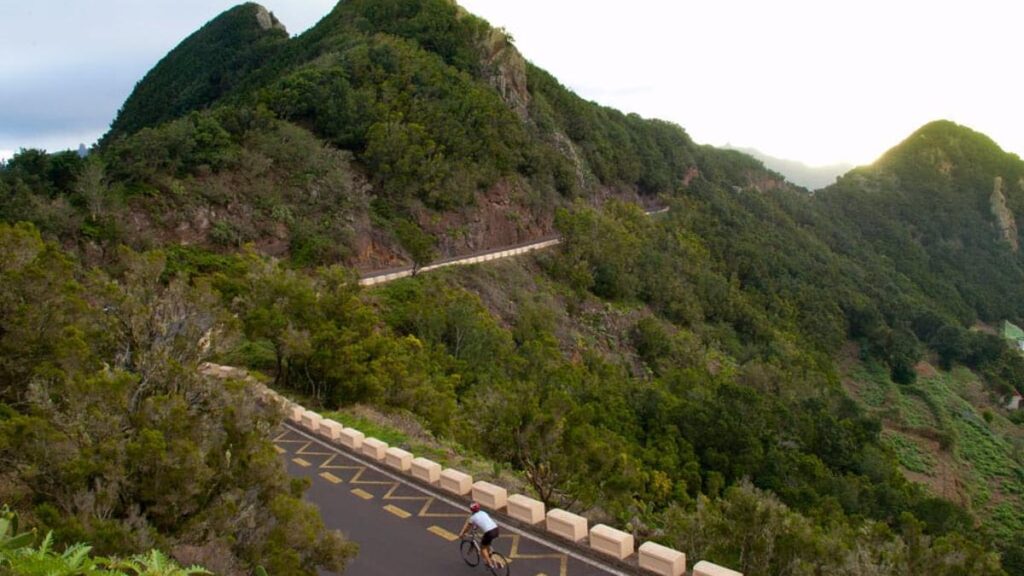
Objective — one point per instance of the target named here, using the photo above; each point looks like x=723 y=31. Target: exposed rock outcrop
x=507 y=71
x=565 y=145
x=1005 y=220
x=266 y=19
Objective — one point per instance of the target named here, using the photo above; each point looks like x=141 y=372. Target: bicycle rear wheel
x=500 y=564
x=470 y=553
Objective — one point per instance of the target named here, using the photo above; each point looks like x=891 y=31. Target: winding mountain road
x=404 y=528
x=382 y=276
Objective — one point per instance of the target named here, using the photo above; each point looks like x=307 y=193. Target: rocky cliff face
x=1005 y=220
x=266 y=20
x=507 y=71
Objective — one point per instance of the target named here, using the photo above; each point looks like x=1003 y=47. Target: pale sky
x=820 y=81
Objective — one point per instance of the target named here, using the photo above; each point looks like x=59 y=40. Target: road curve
x=406 y=529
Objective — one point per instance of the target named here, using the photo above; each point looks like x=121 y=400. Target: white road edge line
x=554 y=546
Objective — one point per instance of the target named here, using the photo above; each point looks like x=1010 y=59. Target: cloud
x=59 y=107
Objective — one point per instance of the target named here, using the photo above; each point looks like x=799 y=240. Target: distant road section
x=395 y=274
x=383 y=276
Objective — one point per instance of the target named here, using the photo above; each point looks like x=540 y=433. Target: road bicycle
x=470 y=549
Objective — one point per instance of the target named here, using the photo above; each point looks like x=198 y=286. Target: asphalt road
x=374 y=277
x=404 y=529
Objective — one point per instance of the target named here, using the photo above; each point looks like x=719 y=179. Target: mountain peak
x=944 y=145
x=266 y=19
x=203 y=67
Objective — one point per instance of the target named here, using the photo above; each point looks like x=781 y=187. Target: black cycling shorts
x=489 y=537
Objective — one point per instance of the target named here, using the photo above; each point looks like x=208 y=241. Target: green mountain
x=942 y=205
x=748 y=377
x=438 y=110
x=204 y=68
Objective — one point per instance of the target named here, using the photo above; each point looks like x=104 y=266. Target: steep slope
x=675 y=373
x=450 y=126
x=203 y=68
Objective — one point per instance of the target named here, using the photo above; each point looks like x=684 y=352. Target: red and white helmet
x=474 y=507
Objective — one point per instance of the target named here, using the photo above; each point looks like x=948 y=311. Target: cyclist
x=487 y=526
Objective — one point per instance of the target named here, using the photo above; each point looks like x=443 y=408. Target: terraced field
x=951 y=436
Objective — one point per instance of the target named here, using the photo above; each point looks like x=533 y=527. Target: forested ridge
x=777 y=381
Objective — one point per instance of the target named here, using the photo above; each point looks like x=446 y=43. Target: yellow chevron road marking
x=563 y=560
x=280 y=450
x=281 y=438
x=397 y=511
x=438 y=531
x=305 y=453
x=329 y=465
x=362 y=494
x=357 y=480
x=330 y=477
x=428 y=501
x=424 y=511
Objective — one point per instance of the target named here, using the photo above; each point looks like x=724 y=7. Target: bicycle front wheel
x=499 y=564
x=470 y=553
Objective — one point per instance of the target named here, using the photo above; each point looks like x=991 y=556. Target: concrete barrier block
x=456 y=482
x=331 y=429
x=276 y=400
x=374 y=448
x=426 y=470
x=295 y=413
x=311 y=421
x=490 y=496
x=662 y=560
x=610 y=541
x=223 y=372
x=352 y=439
x=705 y=568
x=398 y=459
x=567 y=525
x=525 y=509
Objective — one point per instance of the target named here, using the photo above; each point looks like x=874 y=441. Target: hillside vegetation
x=109 y=435
x=740 y=377
x=387 y=121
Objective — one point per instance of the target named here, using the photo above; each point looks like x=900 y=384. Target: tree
x=111 y=433
x=417 y=243
x=406 y=162
x=278 y=305
x=950 y=342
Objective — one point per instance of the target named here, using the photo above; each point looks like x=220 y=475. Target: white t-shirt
x=483 y=521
